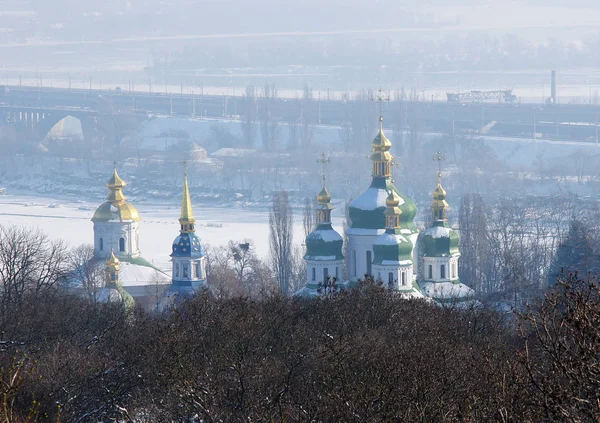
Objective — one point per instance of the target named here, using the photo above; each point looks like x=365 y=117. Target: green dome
x=391 y=247
x=439 y=240
x=367 y=210
x=324 y=243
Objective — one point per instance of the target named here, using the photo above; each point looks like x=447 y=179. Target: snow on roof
x=327 y=235
x=390 y=239
x=233 y=152
x=320 y=258
x=363 y=231
x=437 y=232
x=446 y=290
x=136 y=275
x=371 y=199
x=396 y=262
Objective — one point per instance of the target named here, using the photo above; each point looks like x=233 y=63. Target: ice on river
x=70 y=221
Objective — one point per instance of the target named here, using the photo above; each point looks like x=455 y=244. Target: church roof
x=187 y=244
x=324 y=244
x=115 y=208
x=439 y=240
x=367 y=211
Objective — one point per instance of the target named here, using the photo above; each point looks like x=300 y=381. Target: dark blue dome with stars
x=187 y=245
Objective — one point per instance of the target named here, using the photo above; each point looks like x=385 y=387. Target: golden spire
x=381 y=156
x=324 y=198
x=439 y=206
x=112 y=270
x=392 y=212
x=115 y=185
x=187 y=216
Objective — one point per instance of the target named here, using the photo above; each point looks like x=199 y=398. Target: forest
x=362 y=355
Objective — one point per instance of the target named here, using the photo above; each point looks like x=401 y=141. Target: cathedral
x=381 y=241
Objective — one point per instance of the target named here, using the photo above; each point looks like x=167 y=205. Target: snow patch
x=396 y=262
x=371 y=199
x=446 y=290
x=438 y=232
x=390 y=239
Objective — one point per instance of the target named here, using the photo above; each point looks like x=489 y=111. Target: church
x=382 y=241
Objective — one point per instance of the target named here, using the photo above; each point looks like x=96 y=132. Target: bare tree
x=29 y=263
x=250 y=115
x=308 y=117
x=308 y=216
x=280 y=237
x=85 y=269
x=269 y=122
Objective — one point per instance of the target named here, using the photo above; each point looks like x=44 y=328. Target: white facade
x=120 y=237
x=360 y=251
x=397 y=275
x=318 y=270
x=440 y=269
x=186 y=269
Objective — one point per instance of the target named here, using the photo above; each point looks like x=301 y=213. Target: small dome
x=439 y=241
x=439 y=193
x=392 y=200
x=381 y=142
x=112 y=264
x=116 y=296
x=324 y=196
x=187 y=244
x=324 y=243
x=392 y=248
x=120 y=212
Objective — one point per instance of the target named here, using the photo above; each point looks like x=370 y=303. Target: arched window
x=430 y=272
x=176 y=270
x=390 y=279
x=121 y=244
x=443 y=271
x=325 y=273
x=199 y=270
x=101 y=244
x=185 y=270
x=353 y=262
x=337 y=272
x=314 y=273
x=403 y=278
x=369 y=262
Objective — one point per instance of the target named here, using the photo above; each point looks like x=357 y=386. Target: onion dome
x=113 y=292
x=439 y=240
x=187 y=244
x=115 y=208
x=324 y=243
x=391 y=247
x=367 y=211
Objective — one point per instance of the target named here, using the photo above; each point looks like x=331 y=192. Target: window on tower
x=390 y=279
x=101 y=244
x=443 y=271
x=185 y=270
x=403 y=278
x=199 y=270
x=369 y=262
x=314 y=273
x=353 y=262
x=121 y=244
x=325 y=273
x=430 y=272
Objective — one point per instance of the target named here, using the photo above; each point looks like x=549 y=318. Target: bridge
x=112 y=114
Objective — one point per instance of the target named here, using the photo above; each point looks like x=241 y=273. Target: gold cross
x=381 y=98
x=439 y=157
x=323 y=160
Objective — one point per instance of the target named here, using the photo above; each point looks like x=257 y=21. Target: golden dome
x=115 y=208
x=324 y=196
x=393 y=199
x=112 y=264
x=381 y=142
x=439 y=193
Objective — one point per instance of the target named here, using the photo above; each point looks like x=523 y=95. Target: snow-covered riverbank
x=70 y=221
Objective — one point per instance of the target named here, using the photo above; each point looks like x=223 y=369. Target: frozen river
x=70 y=221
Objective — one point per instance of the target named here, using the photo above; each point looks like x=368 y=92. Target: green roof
x=391 y=247
x=324 y=243
x=367 y=210
x=439 y=240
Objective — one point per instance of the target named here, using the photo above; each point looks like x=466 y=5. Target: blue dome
x=187 y=245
